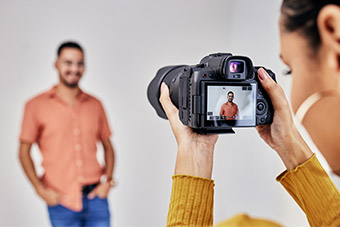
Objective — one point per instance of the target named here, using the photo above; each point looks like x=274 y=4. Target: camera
x=219 y=93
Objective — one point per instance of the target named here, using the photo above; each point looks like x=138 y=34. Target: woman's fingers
x=170 y=110
x=274 y=91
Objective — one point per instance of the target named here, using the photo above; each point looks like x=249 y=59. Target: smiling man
x=67 y=123
x=229 y=110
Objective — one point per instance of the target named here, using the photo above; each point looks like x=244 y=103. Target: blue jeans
x=95 y=213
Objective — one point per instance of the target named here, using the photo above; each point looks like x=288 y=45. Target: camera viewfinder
x=236 y=66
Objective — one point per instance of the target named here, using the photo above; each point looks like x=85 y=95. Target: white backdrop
x=126 y=42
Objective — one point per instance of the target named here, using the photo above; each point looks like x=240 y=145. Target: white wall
x=126 y=42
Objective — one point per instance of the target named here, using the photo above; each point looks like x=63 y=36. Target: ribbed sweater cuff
x=314 y=191
x=191 y=202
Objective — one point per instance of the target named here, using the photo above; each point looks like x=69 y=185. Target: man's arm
x=237 y=113
x=109 y=156
x=222 y=111
x=50 y=196
x=102 y=190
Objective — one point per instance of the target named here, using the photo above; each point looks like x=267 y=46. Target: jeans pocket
x=53 y=206
x=99 y=207
x=102 y=198
x=62 y=216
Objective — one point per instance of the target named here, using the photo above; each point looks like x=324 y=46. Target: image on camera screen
x=232 y=103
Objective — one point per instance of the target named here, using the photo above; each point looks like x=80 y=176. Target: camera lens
x=169 y=75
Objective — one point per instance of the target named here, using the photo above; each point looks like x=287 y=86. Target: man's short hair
x=69 y=44
x=231 y=93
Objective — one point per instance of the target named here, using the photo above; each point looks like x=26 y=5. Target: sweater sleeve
x=314 y=192
x=191 y=202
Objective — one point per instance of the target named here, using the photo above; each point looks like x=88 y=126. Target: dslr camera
x=219 y=93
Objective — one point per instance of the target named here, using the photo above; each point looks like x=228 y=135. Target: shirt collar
x=52 y=93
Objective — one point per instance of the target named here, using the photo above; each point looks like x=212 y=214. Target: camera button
x=260 y=106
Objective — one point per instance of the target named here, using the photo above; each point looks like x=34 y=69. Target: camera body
x=219 y=93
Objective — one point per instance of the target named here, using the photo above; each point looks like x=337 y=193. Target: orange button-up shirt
x=67 y=138
x=229 y=111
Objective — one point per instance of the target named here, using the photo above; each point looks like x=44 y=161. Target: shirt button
x=77 y=147
x=80 y=179
x=79 y=163
x=76 y=131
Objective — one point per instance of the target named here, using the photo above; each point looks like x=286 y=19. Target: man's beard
x=67 y=84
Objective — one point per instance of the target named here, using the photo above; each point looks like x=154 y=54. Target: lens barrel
x=170 y=76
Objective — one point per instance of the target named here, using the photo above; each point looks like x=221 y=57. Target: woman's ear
x=329 y=29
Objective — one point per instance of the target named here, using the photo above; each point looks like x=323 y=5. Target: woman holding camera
x=310 y=46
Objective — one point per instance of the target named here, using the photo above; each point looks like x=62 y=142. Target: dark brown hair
x=69 y=44
x=301 y=15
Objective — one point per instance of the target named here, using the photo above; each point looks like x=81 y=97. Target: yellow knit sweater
x=192 y=198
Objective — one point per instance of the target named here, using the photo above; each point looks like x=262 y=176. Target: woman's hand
x=282 y=134
x=195 y=151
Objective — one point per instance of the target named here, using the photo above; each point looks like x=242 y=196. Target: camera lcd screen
x=231 y=105
x=236 y=66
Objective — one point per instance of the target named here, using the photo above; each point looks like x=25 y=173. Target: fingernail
x=162 y=87
x=262 y=74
